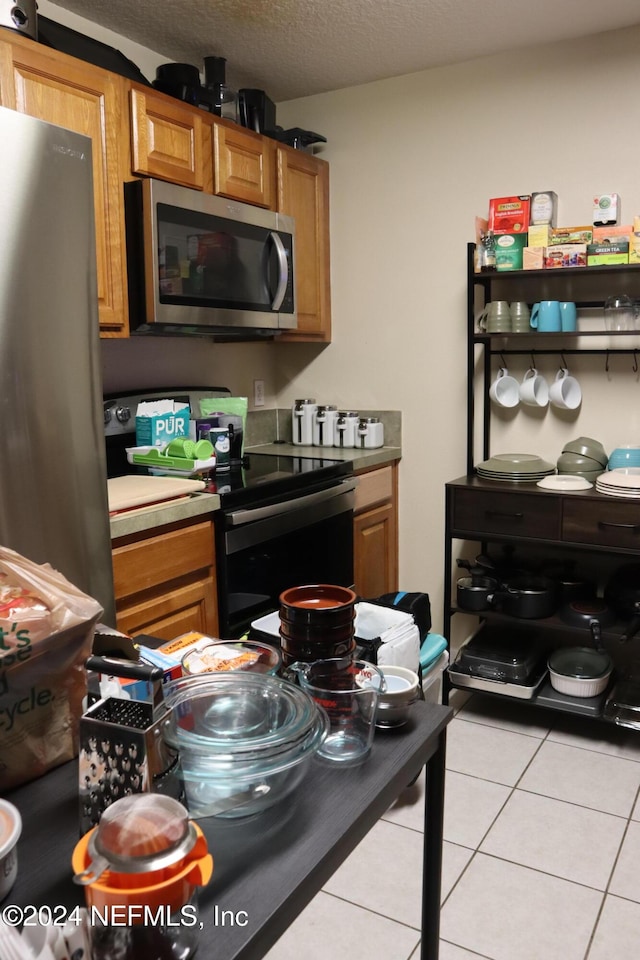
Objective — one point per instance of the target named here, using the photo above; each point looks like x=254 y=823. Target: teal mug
x=545 y=316
x=568 y=316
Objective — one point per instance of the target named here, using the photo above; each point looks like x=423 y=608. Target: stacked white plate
x=515 y=467
x=621 y=482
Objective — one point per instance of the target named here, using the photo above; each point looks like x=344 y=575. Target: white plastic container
x=302 y=421
x=10 y=830
x=346 y=428
x=370 y=432
x=324 y=426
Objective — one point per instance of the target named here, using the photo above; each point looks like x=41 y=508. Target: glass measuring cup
x=348 y=692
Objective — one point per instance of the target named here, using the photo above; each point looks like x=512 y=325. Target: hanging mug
x=505 y=390
x=565 y=392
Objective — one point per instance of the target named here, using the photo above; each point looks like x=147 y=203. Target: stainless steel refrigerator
x=53 y=487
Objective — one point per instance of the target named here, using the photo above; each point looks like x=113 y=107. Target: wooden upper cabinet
x=70 y=93
x=243 y=165
x=303 y=193
x=166 y=138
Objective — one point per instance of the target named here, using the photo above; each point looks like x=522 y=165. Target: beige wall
x=413 y=160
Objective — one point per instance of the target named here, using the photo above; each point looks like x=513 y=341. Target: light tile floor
x=541 y=852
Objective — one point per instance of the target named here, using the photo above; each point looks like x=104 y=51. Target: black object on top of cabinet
x=585 y=286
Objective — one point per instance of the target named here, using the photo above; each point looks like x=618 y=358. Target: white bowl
x=10 y=830
x=394 y=702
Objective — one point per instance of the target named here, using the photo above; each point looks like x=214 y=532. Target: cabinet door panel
x=303 y=193
x=156 y=560
x=166 y=140
x=506 y=514
x=188 y=607
x=375 y=551
x=80 y=97
x=243 y=165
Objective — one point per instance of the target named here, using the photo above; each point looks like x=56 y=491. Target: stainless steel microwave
x=206 y=266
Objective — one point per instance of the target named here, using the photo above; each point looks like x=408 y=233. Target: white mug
x=505 y=390
x=565 y=392
x=534 y=389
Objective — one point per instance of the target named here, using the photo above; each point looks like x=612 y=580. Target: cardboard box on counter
x=509 y=214
x=160 y=421
x=607 y=254
x=566 y=255
x=533 y=258
x=565 y=235
x=509 y=247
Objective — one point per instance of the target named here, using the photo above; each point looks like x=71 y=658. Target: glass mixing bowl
x=241 y=733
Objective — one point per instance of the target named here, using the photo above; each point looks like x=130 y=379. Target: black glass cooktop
x=263 y=477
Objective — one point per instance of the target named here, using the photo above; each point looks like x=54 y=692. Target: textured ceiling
x=294 y=48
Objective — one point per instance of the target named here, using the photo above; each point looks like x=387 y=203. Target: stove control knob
x=107 y=415
x=123 y=414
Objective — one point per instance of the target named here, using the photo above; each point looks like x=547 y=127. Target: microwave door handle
x=283 y=265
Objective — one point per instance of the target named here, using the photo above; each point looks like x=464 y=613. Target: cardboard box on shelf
x=539 y=235
x=566 y=235
x=509 y=247
x=544 y=208
x=606 y=209
x=509 y=214
x=616 y=233
x=533 y=258
x=634 y=242
x=607 y=254
x=566 y=255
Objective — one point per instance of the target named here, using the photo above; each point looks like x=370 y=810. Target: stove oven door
x=263 y=550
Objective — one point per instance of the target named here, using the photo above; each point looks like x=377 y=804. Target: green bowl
x=586 y=447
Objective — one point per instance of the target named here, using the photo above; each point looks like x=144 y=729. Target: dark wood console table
x=271 y=865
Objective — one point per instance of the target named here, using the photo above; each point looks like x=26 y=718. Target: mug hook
x=606 y=364
x=635 y=361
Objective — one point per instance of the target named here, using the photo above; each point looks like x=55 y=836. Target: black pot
x=475 y=592
x=530 y=598
x=623 y=593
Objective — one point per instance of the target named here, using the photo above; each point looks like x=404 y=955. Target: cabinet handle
x=495 y=514
x=623 y=526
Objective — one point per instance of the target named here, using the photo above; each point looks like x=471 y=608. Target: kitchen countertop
x=200 y=504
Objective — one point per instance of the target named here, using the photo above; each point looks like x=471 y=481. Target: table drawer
x=506 y=514
x=602 y=524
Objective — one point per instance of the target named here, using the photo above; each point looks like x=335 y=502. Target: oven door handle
x=238 y=517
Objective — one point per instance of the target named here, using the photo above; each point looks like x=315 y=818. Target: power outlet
x=258 y=393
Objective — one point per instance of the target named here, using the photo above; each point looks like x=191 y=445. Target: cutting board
x=126 y=493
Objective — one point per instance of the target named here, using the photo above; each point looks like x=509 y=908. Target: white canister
x=302 y=421
x=370 y=432
x=324 y=422
x=346 y=428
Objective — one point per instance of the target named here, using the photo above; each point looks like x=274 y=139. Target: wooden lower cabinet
x=375 y=529
x=57 y=88
x=165 y=583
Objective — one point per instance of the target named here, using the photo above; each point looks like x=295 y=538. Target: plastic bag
x=46 y=634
